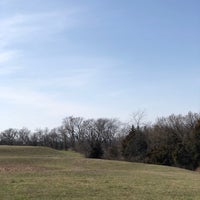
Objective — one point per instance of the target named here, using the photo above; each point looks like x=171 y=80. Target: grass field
x=43 y=173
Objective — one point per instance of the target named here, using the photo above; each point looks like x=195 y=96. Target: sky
x=93 y=59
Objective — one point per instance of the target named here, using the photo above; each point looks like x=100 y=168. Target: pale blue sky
x=94 y=58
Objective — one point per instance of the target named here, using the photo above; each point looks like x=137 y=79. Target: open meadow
x=44 y=173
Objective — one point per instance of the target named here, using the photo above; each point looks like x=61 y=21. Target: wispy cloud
x=26 y=26
x=70 y=81
x=44 y=85
x=9 y=70
x=71 y=73
x=6 y=62
x=36 y=100
x=22 y=29
x=6 y=56
x=23 y=107
x=11 y=29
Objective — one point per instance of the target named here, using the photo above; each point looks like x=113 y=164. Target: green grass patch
x=44 y=173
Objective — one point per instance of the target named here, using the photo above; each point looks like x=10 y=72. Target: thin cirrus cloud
x=71 y=81
x=9 y=70
x=6 y=62
x=22 y=27
x=38 y=100
x=74 y=72
x=30 y=90
x=23 y=91
x=6 y=56
x=33 y=109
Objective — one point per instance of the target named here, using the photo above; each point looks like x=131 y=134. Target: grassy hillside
x=43 y=173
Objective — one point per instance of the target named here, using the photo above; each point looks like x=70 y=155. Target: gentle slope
x=44 y=173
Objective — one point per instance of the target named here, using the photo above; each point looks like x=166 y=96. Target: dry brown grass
x=21 y=168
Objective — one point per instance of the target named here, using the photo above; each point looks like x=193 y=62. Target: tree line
x=172 y=140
